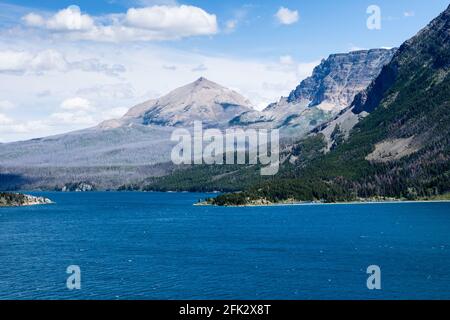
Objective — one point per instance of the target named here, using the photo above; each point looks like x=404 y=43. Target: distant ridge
x=331 y=88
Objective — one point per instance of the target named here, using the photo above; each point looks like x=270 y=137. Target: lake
x=160 y=246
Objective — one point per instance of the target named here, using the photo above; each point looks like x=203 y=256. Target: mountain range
x=391 y=142
x=370 y=123
x=121 y=151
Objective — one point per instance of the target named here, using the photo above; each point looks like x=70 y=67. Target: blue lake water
x=159 y=246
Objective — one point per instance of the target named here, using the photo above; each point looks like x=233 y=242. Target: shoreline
x=41 y=200
x=204 y=204
x=16 y=200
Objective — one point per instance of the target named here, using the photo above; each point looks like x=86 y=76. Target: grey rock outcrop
x=331 y=88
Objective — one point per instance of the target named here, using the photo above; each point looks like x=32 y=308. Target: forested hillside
x=400 y=150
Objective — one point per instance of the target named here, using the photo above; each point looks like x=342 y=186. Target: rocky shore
x=20 y=200
x=374 y=200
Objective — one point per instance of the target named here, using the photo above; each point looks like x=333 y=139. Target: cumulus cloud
x=20 y=62
x=75 y=111
x=157 y=22
x=23 y=61
x=69 y=19
x=287 y=16
x=180 y=20
x=76 y=103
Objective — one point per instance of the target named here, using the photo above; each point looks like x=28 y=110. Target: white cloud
x=72 y=118
x=34 y=20
x=14 y=130
x=12 y=61
x=20 y=62
x=48 y=60
x=76 y=103
x=286 y=60
x=69 y=19
x=158 y=22
x=38 y=101
x=409 y=14
x=287 y=16
x=178 y=20
x=24 y=61
x=76 y=111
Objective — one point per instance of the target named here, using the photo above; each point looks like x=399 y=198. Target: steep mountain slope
x=140 y=138
x=399 y=147
x=331 y=88
x=202 y=100
x=430 y=44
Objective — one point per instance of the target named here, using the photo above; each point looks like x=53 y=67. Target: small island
x=19 y=200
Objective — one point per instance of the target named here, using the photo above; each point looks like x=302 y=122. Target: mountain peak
x=202 y=83
x=202 y=100
x=201 y=79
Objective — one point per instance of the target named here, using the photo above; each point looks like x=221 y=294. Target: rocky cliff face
x=397 y=131
x=335 y=82
x=331 y=88
x=425 y=56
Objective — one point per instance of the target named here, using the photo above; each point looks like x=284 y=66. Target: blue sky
x=66 y=67
x=324 y=26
